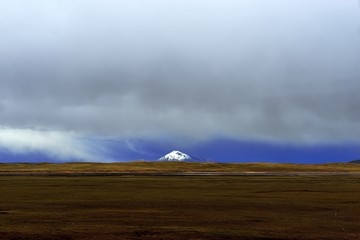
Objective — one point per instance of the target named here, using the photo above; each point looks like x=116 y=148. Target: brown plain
x=268 y=207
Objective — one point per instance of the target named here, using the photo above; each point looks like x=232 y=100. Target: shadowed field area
x=179 y=207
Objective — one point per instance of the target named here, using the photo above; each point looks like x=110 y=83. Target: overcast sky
x=277 y=71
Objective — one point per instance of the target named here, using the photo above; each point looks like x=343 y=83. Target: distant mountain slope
x=176 y=156
x=355 y=161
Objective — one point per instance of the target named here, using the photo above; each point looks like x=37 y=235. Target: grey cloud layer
x=268 y=70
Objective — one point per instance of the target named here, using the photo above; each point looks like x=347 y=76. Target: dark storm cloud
x=268 y=70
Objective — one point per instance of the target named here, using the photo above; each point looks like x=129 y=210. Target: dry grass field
x=179 y=207
x=174 y=167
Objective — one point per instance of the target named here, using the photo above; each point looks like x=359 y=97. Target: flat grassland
x=174 y=167
x=253 y=207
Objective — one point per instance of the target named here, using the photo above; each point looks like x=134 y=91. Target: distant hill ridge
x=356 y=161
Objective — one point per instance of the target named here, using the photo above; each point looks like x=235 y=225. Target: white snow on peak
x=175 y=156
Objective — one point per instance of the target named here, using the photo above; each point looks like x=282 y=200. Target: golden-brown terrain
x=109 y=207
x=176 y=167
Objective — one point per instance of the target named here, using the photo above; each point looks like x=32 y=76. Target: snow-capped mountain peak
x=176 y=156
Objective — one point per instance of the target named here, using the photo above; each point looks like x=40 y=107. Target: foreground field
x=180 y=207
x=173 y=167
